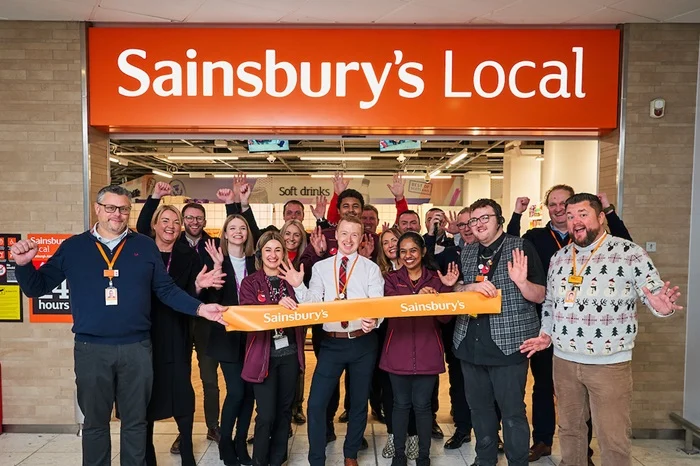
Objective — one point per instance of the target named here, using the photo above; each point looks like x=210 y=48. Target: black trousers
x=236 y=411
x=505 y=385
x=388 y=403
x=273 y=401
x=317 y=335
x=184 y=426
x=413 y=391
x=208 y=371
x=103 y=374
x=357 y=357
x=460 y=408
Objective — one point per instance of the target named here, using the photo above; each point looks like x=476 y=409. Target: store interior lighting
x=161 y=173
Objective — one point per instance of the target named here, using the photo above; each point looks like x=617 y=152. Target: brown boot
x=539 y=450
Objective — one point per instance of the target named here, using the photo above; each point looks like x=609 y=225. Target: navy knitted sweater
x=141 y=271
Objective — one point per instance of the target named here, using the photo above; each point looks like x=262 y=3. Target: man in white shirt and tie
x=350 y=346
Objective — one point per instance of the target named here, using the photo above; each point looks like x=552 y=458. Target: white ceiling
x=382 y=12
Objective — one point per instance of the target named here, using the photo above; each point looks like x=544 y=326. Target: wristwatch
x=321 y=220
x=608 y=209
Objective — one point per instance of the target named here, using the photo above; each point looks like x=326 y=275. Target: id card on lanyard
x=111 y=294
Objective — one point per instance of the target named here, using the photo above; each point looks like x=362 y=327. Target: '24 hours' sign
x=54 y=306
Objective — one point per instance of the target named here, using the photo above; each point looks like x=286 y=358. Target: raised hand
x=367 y=246
x=244 y=193
x=452 y=222
x=664 y=300
x=288 y=303
x=604 y=200
x=397 y=186
x=385 y=226
x=23 y=251
x=318 y=241
x=212 y=312
x=340 y=184
x=517 y=268
x=452 y=275
x=369 y=324
x=216 y=254
x=238 y=180
x=161 y=189
x=319 y=210
x=291 y=275
x=427 y=290
x=225 y=195
x=521 y=204
x=212 y=279
x=536 y=344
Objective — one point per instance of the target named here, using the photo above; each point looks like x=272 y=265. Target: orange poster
x=353 y=80
x=268 y=317
x=55 y=306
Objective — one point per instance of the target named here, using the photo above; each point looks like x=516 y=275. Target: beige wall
x=657 y=181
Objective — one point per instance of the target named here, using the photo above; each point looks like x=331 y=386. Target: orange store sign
x=380 y=81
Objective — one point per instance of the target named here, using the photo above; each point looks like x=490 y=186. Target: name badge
x=482 y=278
x=575 y=279
x=111 y=297
x=570 y=298
x=110 y=273
x=281 y=341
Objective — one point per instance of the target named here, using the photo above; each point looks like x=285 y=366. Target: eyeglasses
x=461 y=225
x=110 y=209
x=191 y=218
x=483 y=219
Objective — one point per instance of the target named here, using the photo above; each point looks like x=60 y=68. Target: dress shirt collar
x=110 y=243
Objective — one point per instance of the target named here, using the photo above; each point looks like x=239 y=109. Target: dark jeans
x=357 y=357
x=208 y=368
x=103 y=374
x=298 y=404
x=184 y=426
x=236 y=411
x=413 y=391
x=273 y=398
x=505 y=385
x=388 y=403
x=543 y=419
x=460 y=408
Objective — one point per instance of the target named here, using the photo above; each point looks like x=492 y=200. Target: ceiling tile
x=609 y=16
x=659 y=10
x=542 y=11
x=176 y=10
x=241 y=12
x=343 y=11
x=43 y=10
x=106 y=15
x=420 y=13
x=690 y=17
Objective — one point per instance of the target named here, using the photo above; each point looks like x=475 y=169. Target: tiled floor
x=64 y=449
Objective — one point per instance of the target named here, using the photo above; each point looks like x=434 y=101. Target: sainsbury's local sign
x=353 y=80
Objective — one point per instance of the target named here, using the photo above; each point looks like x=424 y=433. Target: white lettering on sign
x=279 y=78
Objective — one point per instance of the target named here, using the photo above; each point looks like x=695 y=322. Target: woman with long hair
x=387 y=256
x=273 y=358
x=236 y=259
x=413 y=354
x=294 y=237
x=172 y=392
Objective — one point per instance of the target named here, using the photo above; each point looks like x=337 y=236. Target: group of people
x=568 y=314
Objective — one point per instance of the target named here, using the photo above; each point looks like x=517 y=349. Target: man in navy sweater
x=111 y=272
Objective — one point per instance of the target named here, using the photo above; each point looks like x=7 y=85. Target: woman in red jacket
x=273 y=358
x=413 y=354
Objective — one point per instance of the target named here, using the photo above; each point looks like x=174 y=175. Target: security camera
x=427 y=178
x=401 y=158
x=271 y=158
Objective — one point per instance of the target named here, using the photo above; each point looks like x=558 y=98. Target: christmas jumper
x=600 y=324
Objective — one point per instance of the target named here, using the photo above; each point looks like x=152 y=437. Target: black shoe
x=457 y=440
x=501 y=447
x=399 y=461
x=299 y=418
x=343 y=417
x=214 y=434
x=364 y=445
x=291 y=432
x=437 y=431
x=379 y=416
x=175 y=448
x=251 y=439
x=241 y=449
x=330 y=437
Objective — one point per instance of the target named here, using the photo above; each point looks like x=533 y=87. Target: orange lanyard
x=109 y=273
x=555 y=236
x=347 y=277
x=583 y=267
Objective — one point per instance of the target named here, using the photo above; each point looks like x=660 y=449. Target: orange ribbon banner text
x=268 y=317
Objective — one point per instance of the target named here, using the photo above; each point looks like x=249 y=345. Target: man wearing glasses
x=488 y=345
x=112 y=273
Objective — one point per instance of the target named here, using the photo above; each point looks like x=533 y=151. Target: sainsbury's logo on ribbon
x=389 y=78
x=268 y=317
